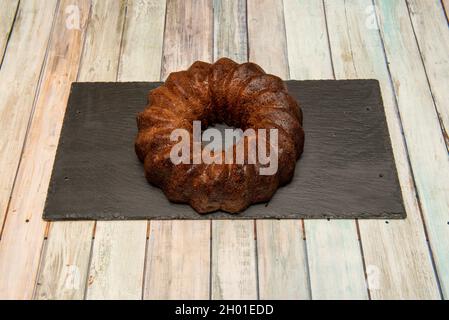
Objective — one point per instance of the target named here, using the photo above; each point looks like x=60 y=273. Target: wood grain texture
x=432 y=33
x=267 y=17
x=118 y=256
x=230 y=32
x=178 y=256
x=23 y=233
x=397 y=259
x=178 y=265
x=282 y=260
x=7 y=14
x=425 y=143
x=63 y=275
x=234 y=272
x=99 y=62
x=188 y=34
x=309 y=57
x=27 y=46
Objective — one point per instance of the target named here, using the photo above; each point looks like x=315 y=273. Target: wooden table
x=46 y=45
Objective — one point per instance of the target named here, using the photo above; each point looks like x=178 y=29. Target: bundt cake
x=239 y=95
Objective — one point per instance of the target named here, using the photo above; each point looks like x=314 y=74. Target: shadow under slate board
x=347 y=169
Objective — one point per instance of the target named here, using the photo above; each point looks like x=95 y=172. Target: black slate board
x=347 y=169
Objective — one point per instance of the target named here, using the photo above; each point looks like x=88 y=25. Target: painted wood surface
x=23 y=232
x=432 y=33
x=267 y=17
x=178 y=257
x=178 y=260
x=394 y=271
x=99 y=62
x=27 y=46
x=335 y=261
x=234 y=271
x=425 y=143
x=118 y=256
x=7 y=16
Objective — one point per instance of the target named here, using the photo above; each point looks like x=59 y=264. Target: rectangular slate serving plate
x=347 y=169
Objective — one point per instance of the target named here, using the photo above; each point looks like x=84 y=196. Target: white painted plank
x=178 y=257
x=23 y=231
x=27 y=46
x=395 y=252
x=99 y=63
x=276 y=241
x=234 y=272
x=7 y=14
x=230 y=32
x=282 y=260
x=63 y=275
x=432 y=33
x=233 y=260
x=118 y=256
x=426 y=146
x=178 y=260
x=309 y=58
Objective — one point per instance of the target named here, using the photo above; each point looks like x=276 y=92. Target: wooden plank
x=426 y=146
x=118 y=255
x=335 y=259
x=446 y=7
x=7 y=15
x=178 y=257
x=432 y=33
x=178 y=265
x=23 y=233
x=395 y=252
x=99 y=62
x=309 y=58
x=230 y=32
x=234 y=272
x=276 y=240
x=26 y=47
x=63 y=275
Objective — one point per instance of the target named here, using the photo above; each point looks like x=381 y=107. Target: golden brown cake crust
x=240 y=95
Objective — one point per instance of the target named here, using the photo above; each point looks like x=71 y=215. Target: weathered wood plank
x=23 y=232
x=397 y=259
x=63 y=275
x=426 y=147
x=118 y=256
x=188 y=26
x=234 y=274
x=282 y=260
x=178 y=264
x=27 y=46
x=327 y=241
x=432 y=33
x=178 y=257
x=446 y=7
x=230 y=32
x=7 y=14
x=99 y=62
x=233 y=260
x=276 y=240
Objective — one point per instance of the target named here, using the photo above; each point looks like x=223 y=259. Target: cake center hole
x=224 y=143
